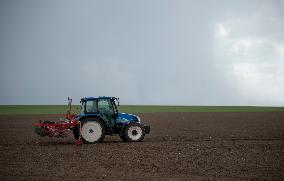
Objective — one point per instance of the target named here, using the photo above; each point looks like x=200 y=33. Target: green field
x=60 y=109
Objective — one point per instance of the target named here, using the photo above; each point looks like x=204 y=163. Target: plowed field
x=181 y=146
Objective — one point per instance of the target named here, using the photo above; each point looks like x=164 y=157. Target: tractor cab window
x=104 y=105
x=90 y=106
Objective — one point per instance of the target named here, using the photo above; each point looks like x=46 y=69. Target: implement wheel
x=76 y=132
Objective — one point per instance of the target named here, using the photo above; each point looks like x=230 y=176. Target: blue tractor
x=99 y=116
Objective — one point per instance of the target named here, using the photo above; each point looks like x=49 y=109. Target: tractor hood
x=124 y=118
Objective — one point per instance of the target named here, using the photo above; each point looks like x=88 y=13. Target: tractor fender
x=87 y=118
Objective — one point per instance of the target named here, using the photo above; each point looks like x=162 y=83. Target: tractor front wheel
x=133 y=132
x=93 y=131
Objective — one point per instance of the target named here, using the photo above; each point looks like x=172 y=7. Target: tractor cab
x=104 y=107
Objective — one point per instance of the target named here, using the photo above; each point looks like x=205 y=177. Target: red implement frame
x=56 y=129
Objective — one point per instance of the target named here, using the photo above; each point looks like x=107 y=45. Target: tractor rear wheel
x=93 y=131
x=133 y=132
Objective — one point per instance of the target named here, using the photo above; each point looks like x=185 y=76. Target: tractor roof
x=93 y=98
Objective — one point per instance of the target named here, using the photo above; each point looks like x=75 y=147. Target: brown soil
x=181 y=146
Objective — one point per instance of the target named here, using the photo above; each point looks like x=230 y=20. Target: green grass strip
x=61 y=109
x=152 y=109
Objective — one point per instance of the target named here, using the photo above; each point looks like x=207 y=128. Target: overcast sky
x=145 y=52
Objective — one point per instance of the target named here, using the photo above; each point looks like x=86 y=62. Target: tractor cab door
x=107 y=111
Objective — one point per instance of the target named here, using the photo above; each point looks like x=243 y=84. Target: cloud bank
x=249 y=50
x=145 y=52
